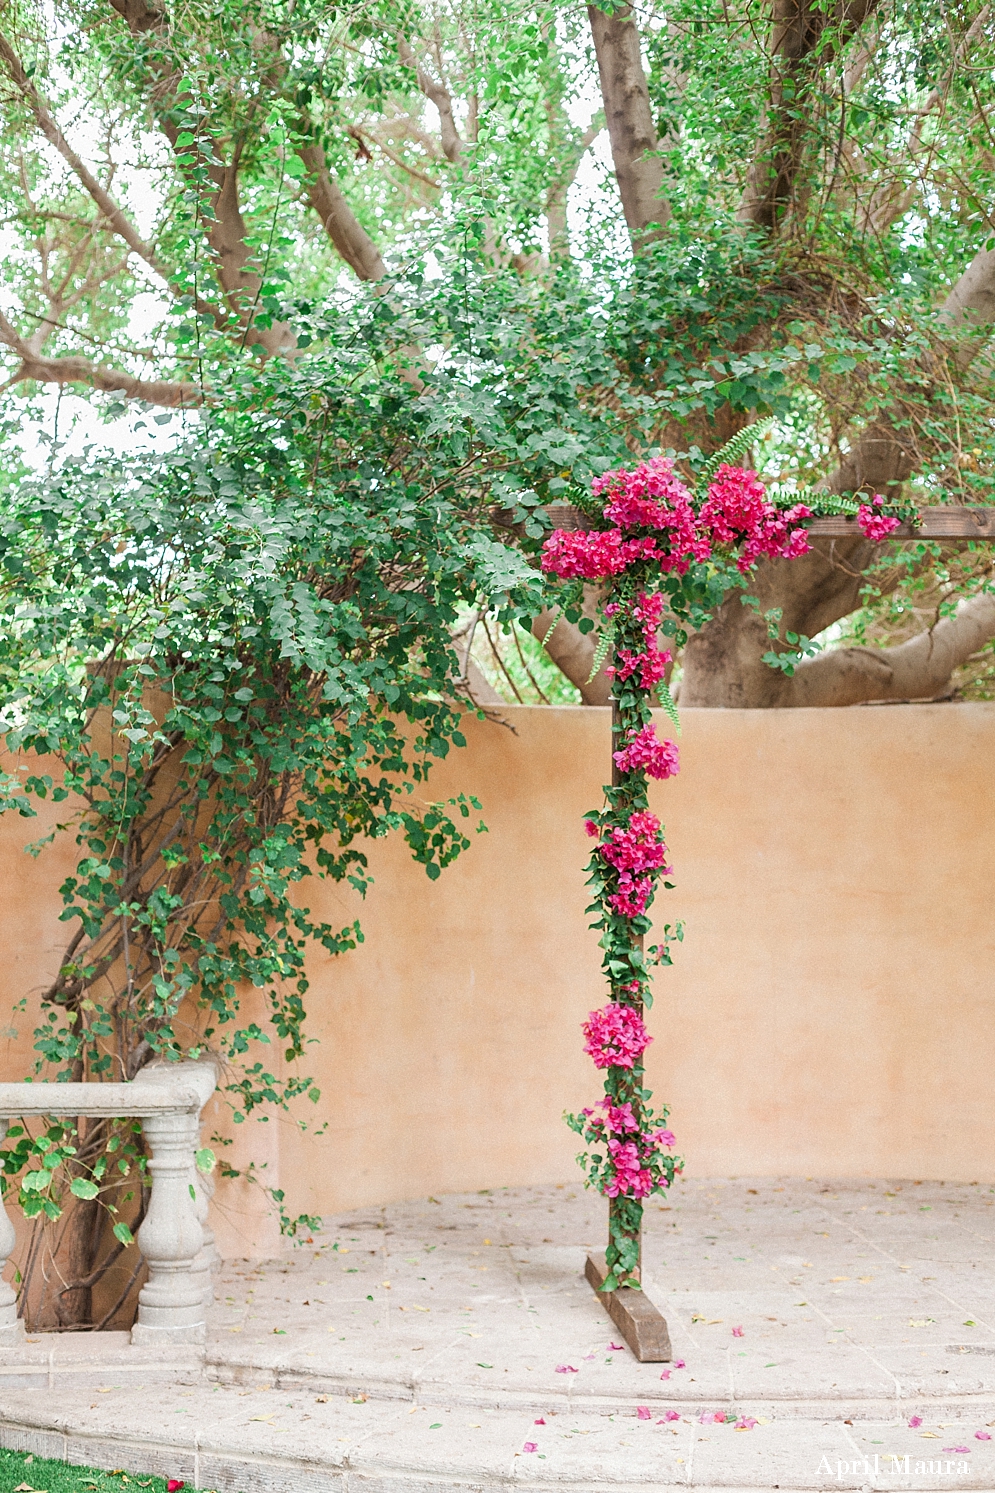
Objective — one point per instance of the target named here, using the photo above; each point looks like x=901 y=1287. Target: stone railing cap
x=104 y=1100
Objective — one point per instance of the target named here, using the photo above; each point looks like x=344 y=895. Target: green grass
x=43 y=1476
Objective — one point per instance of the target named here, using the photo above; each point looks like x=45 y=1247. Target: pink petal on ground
x=643 y=1412
x=745 y=1423
x=566 y=1368
x=737 y=1332
x=960 y=1449
x=982 y=1436
x=531 y=1446
x=679 y=1363
x=673 y=1415
x=719 y=1417
x=706 y=1419
x=915 y=1421
x=539 y=1422
x=616 y=1347
x=665 y=1374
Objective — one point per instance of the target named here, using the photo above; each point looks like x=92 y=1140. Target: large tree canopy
x=660 y=223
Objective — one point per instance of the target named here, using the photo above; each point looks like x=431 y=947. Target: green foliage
x=232 y=664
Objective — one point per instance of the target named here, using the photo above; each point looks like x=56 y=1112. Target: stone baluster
x=201 y=1075
x=171 y=1303
x=11 y=1325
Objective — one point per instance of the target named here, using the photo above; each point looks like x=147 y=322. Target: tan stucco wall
x=831 y=1007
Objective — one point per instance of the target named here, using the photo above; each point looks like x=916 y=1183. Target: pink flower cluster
x=635 y=852
x=645 y=752
x=876 y=526
x=615 y=1036
x=618 y=1119
x=652 y=497
x=737 y=511
x=652 y=661
x=631 y=1178
x=594 y=554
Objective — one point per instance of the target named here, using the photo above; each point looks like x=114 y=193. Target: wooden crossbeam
x=952 y=525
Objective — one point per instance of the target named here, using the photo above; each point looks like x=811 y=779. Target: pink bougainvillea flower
x=645 y=752
x=915 y=1421
x=631 y=1179
x=672 y=1415
x=737 y=1332
x=174 y=1485
x=595 y=554
x=876 y=525
x=591 y=828
x=665 y=1374
x=737 y=511
x=745 y=1423
x=539 y=1422
x=643 y=1412
x=566 y=1368
x=615 y=1036
x=706 y=1418
x=982 y=1436
x=959 y=1449
x=531 y=1446
x=678 y=1362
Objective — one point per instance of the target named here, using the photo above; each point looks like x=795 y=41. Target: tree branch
x=919 y=669
x=638 y=170
x=74 y=370
x=113 y=216
x=453 y=145
x=805 y=36
x=348 y=235
x=886 y=453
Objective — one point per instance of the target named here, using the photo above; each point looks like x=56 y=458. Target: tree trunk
x=630 y=121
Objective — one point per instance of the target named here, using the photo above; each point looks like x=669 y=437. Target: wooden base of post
x=635 y=1316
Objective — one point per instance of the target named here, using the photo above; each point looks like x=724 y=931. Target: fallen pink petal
x=643 y=1412
x=737 y=1332
x=539 y=1422
x=745 y=1423
x=960 y=1450
x=566 y=1368
x=915 y=1421
x=673 y=1415
x=679 y=1363
x=982 y=1436
x=531 y=1446
x=616 y=1347
x=665 y=1374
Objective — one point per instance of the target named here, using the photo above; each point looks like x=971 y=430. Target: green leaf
x=123 y=1234
x=82 y=1187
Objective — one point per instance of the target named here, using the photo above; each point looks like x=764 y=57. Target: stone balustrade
x=174 y=1237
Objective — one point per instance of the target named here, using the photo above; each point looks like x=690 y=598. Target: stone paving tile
x=852 y=1301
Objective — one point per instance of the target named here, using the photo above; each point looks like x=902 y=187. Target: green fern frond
x=822 y=503
x=605 y=640
x=667 y=702
x=733 y=451
x=550 y=630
